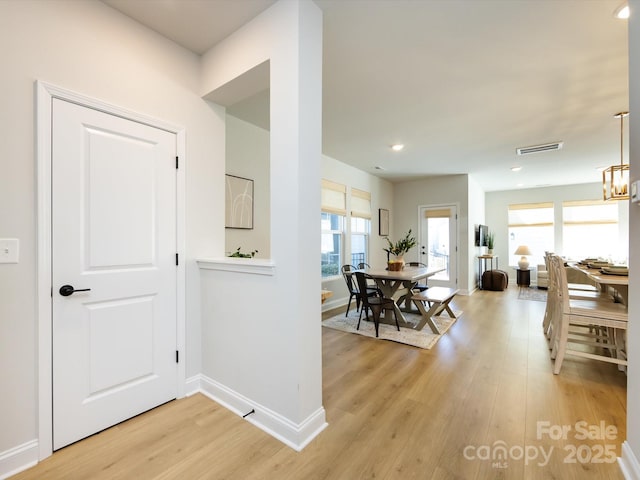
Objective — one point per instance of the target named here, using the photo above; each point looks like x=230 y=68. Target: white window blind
x=333 y=198
x=530 y=224
x=360 y=203
x=531 y=215
x=590 y=229
x=438 y=213
x=589 y=212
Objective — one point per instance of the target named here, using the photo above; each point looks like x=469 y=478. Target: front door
x=438 y=242
x=113 y=269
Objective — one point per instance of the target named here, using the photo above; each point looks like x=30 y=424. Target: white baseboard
x=628 y=463
x=192 y=385
x=18 y=459
x=332 y=303
x=294 y=435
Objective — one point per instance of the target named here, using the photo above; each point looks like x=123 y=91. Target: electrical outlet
x=9 y=250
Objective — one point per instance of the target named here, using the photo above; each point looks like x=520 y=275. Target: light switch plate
x=635 y=194
x=9 y=250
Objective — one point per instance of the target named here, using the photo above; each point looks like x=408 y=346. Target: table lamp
x=523 y=263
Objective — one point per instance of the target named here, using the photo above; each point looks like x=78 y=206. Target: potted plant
x=398 y=250
x=490 y=239
x=239 y=254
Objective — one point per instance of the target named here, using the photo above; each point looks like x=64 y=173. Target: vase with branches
x=398 y=249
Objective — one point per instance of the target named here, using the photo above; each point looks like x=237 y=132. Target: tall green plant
x=490 y=240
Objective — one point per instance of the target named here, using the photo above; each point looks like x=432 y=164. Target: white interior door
x=113 y=235
x=438 y=242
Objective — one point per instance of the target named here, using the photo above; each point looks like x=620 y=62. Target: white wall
x=381 y=197
x=497 y=207
x=261 y=336
x=90 y=48
x=247 y=155
x=631 y=449
x=476 y=217
x=452 y=189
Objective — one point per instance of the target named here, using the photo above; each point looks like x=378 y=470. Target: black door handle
x=67 y=290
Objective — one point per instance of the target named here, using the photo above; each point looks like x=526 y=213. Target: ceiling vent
x=539 y=148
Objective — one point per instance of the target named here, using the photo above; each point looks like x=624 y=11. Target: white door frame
x=457 y=250
x=45 y=93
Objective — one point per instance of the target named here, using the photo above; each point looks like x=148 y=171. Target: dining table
x=609 y=281
x=619 y=283
x=397 y=285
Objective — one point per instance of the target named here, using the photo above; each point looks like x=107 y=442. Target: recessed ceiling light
x=622 y=12
x=378 y=167
x=520 y=185
x=397 y=147
x=516 y=169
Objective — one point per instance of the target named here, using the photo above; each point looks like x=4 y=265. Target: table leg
x=427 y=317
x=389 y=288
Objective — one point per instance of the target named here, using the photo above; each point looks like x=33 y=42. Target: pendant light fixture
x=615 y=179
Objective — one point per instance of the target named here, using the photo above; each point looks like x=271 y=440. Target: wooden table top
x=596 y=275
x=407 y=274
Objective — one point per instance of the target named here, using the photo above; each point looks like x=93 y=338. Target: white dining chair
x=553 y=311
x=605 y=343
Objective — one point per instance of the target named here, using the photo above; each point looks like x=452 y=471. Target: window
x=331 y=244
x=360 y=229
x=334 y=210
x=590 y=229
x=439 y=230
x=360 y=226
x=531 y=224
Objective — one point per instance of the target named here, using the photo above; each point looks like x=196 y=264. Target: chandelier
x=615 y=179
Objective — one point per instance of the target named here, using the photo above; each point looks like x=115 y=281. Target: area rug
x=532 y=294
x=424 y=338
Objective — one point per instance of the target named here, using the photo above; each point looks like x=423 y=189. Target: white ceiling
x=462 y=83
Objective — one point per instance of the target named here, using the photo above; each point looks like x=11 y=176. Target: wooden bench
x=438 y=299
x=324 y=294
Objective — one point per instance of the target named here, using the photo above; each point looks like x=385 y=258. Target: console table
x=482 y=266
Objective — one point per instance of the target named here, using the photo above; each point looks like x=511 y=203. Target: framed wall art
x=238 y=202
x=383 y=222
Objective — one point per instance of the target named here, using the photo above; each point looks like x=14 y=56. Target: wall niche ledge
x=254 y=266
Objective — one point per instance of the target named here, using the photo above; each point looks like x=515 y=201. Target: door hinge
x=177 y=357
x=176 y=163
x=176 y=259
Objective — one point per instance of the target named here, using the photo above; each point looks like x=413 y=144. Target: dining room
x=493 y=309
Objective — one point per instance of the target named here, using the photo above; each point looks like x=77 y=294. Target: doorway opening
x=438 y=242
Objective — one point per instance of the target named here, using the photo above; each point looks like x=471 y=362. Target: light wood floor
x=394 y=412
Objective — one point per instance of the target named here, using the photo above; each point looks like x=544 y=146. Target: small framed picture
x=238 y=202
x=383 y=222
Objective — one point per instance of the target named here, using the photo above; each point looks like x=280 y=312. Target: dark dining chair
x=371 y=283
x=376 y=302
x=419 y=286
x=417 y=264
x=347 y=274
x=352 y=286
